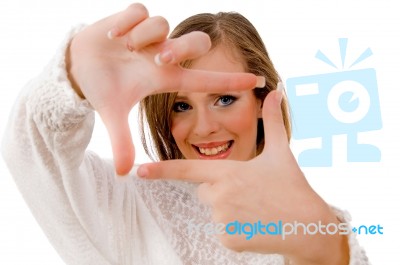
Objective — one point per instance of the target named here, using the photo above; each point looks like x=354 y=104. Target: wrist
x=322 y=248
x=69 y=69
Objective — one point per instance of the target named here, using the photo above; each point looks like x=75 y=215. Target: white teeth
x=214 y=150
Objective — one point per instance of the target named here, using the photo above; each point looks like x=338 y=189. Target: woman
x=93 y=218
x=237 y=35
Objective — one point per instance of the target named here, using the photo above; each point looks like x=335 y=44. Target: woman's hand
x=268 y=188
x=121 y=59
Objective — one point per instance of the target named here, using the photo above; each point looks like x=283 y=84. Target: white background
x=293 y=31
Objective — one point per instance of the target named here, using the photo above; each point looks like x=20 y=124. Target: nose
x=206 y=122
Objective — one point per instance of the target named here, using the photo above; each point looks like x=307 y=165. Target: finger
x=206 y=81
x=204 y=193
x=189 y=46
x=128 y=19
x=190 y=170
x=150 y=31
x=121 y=140
x=274 y=128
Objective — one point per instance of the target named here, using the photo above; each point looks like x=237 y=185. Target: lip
x=222 y=155
x=211 y=144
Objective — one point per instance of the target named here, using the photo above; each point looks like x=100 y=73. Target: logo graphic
x=280 y=228
x=344 y=102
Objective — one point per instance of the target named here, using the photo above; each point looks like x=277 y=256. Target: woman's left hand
x=269 y=188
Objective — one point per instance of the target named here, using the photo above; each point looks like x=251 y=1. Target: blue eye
x=226 y=100
x=181 y=107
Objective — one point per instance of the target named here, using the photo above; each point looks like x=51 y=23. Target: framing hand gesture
x=269 y=187
x=119 y=60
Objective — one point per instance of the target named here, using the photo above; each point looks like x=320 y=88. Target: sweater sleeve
x=88 y=215
x=357 y=252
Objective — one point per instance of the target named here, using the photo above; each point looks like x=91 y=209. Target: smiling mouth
x=213 y=151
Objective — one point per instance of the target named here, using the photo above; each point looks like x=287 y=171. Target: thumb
x=274 y=128
x=121 y=140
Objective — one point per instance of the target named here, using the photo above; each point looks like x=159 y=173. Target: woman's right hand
x=121 y=59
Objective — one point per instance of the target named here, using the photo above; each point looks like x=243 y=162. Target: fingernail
x=112 y=33
x=279 y=92
x=142 y=172
x=260 y=81
x=162 y=58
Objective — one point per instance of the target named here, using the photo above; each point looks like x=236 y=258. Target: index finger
x=207 y=81
x=127 y=19
x=198 y=171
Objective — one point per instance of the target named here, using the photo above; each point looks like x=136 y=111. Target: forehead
x=222 y=58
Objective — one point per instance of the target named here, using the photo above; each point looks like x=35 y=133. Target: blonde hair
x=235 y=31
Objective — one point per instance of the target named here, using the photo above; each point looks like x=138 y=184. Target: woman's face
x=216 y=125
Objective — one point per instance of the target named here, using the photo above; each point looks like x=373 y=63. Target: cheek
x=244 y=120
x=244 y=125
x=179 y=130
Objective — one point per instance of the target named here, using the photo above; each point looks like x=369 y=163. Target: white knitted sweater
x=88 y=215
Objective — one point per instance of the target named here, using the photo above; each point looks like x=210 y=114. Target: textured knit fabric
x=90 y=216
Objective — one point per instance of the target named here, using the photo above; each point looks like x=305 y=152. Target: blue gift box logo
x=344 y=102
